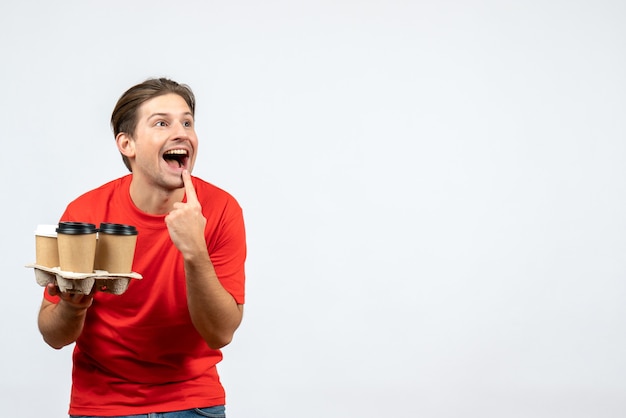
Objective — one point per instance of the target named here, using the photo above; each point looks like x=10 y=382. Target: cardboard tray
x=83 y=283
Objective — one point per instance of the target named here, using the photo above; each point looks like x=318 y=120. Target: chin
x=170 y=182
x=179 y=185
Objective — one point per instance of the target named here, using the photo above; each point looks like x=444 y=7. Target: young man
x=154 y=349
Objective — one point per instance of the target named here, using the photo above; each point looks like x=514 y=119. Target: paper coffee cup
x=116 y=248
x=77 y=246
x=46 y=248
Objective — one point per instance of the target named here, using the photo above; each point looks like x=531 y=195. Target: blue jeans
x=210 y=412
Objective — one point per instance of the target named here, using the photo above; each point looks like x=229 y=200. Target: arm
x=214 y=312
x=61 y=323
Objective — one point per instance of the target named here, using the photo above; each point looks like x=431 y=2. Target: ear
x=125 y=144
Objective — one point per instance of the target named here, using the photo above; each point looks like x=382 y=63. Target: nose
x=181 y=131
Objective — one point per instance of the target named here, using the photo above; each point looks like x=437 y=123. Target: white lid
x=46 y=230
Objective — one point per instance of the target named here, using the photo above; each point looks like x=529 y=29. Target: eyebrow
x=168 y=115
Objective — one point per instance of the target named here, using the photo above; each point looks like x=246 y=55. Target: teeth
x=176 y=152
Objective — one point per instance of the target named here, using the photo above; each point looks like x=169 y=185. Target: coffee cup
x=46 y=247
x=116 y=248
x=77 y=246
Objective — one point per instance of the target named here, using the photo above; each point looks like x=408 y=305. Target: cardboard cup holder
x=83 y=283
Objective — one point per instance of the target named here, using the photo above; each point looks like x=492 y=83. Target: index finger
x=189 y=189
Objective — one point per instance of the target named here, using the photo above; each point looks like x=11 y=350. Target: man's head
x=124 y=117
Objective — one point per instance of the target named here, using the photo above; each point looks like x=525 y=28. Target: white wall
x=434 y=193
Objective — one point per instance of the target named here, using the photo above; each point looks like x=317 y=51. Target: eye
x=187 y=124
x=161 y=123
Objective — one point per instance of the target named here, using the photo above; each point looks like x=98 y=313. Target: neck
x=152 y=199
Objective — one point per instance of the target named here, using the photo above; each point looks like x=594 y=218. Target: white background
x=433 y=192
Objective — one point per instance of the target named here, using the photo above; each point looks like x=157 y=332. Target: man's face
x=164 y=141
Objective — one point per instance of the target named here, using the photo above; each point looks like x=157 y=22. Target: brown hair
x=124 y=116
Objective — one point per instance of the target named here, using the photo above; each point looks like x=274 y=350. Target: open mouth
x=176 y=158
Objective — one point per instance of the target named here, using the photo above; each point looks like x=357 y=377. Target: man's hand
x=186 y=223
x=77 y=301
x=61 y=323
